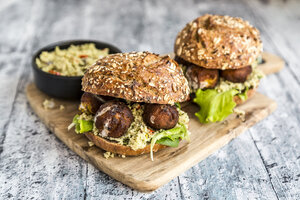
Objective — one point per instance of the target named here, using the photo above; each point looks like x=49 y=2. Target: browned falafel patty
x=199 y=77
x=236 y=75
x=113 y=119
x=202 y=78
x=160 y=116
x=89 y=103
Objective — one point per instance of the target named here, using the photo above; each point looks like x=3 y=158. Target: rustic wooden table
x=262 y=163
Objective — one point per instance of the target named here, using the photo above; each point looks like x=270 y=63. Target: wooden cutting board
x=140 y=172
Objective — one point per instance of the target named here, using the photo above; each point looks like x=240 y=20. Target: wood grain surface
x=140 y=172
x=262 y=163
x=168 y=163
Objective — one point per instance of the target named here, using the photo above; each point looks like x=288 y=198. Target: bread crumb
x=122 y=156
x=112 y=155
x=48 y=104
x=61 y=107
x=240 y=114
x=90 y=143
x=225 y=122
x=108 y=155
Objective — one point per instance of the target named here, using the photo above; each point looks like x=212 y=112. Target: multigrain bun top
x=138 y=77
x=218 y=42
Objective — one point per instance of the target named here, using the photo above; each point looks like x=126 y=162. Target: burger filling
x=251 y=82
x=215 y=89
x=132 y=124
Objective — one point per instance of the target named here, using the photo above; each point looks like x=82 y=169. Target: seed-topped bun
x=138 y=77
x=218 y=42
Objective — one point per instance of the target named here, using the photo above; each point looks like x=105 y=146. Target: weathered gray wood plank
x=30 y=161
x=11 y=56
x=278 y=140
x=228 y=174
x=263 y=163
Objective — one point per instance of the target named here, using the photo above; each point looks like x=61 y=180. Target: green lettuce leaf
x=85 y=126
x=168 y=142
x=178 y=105
x=214 y=106
x=169 y=137
x=244 y=95
x=81 y=125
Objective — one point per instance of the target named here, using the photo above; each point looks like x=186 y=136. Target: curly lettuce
x=214 y=106
x=169 y=137
x=81 y=125
x=243 y=95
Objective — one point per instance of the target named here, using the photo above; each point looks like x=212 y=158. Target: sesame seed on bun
x=218 y=42
x=138 y=77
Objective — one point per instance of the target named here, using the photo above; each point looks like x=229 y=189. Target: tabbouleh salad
x=72 y=61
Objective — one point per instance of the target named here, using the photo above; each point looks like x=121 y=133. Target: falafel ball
x=236 y=75
x=113 y=119
x=89 y=103
x=160 y=116
x=201 y=78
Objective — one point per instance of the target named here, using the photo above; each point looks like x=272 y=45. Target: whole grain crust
x=138 y=77
x=120 y=149
x=218 y=42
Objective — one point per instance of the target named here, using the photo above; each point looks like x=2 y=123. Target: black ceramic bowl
x=65 y=87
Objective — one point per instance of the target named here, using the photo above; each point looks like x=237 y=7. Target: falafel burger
x=130 y=104
x=219 y=56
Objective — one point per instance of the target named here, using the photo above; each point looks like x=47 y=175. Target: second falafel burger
x=219 y=55
x=130 y=105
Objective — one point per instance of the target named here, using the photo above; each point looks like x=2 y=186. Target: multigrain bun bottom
x=113 y=147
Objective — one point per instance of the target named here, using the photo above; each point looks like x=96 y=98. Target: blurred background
x=263 y=163
x=136 y=25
